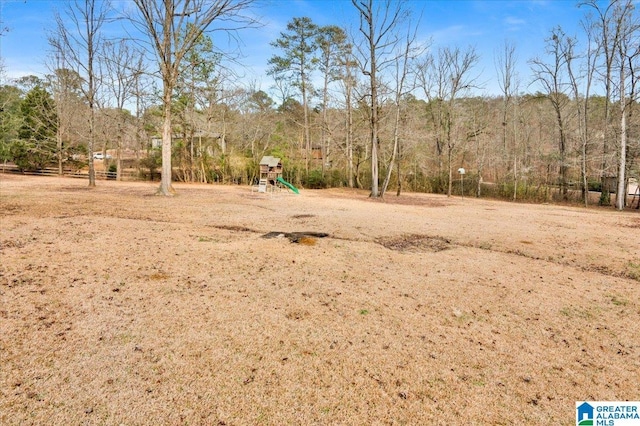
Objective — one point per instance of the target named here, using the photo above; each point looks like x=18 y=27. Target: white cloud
x=513 y=21
x=455 y=34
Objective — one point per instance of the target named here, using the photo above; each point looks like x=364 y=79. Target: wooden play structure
x=271 y=175
x=270 y=171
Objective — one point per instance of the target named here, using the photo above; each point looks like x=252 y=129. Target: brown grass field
x=121 y=307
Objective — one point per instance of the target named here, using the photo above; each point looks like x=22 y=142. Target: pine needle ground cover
x=121 y=307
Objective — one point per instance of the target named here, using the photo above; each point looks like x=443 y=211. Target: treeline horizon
x=383 y=114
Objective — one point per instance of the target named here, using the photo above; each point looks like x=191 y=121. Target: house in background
x=634 y=188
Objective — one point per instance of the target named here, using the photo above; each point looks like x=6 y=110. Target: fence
x=100 y=174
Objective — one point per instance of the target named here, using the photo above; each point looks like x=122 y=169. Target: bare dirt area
x=121 y=307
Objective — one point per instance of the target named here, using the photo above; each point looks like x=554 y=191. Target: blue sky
x=484 y=25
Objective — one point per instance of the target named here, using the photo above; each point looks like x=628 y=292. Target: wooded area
x=370 y=109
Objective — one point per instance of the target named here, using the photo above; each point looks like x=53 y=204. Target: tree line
x=372 y=109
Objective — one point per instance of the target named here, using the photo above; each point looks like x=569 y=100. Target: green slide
x=288 y=185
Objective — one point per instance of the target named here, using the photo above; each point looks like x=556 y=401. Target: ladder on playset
x=262 y=185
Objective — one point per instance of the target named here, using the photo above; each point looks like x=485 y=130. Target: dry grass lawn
x=121 y=307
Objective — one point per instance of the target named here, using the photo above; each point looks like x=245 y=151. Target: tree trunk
x=450 y=166
x=165 y=180
x=621 y=194
x=399 y=164
x=373 y=83
x=479 y=166
x=119 y=155
x=91 y=92
x=584 y=134
x=374 y=132
x=394 y=153
x=59 y=144
x=449 y=151
x=564 y=184
x=307 y=133
x=515 y=159
x=325 y=141
x=349 y=140
x=92 y=170
x=564 y=189
x=515 y=177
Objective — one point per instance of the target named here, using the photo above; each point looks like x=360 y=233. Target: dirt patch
x=634 y=223
x=416 y=243
x=8 y=208
x=235 y=228
x=121 y=307
x=306 y=238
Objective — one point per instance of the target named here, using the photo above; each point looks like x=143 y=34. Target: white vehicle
x=101 y=156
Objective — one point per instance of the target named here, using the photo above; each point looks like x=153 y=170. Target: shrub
x=315 y=180
x=28 y=155
x=112 y=172
x=151 y=162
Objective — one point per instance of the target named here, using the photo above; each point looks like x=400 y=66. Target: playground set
x=271 y=176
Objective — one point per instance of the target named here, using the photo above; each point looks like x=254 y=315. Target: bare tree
x=459 y=67
x=65 y=85
x=142 y=98
x=551 y=77
x=506 y=62
x=617 y=29
x=123 y=64
x=582 y=79
x=258 y=126
x=401 y=72
x=628 y=53
x=606 y=25
x=348 y=83
x=443 y=80
x=379 y=24
x=430 y=78
x=173 y=27
x=79 y=40
x=480 y=134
